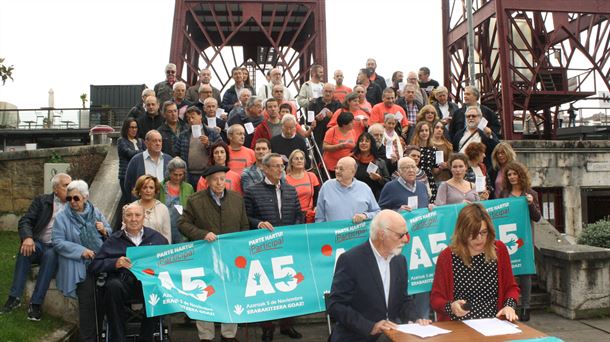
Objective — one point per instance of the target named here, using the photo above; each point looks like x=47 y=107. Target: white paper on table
x=480 y=184
x=212 y=122
x=412 y=202
x=178 y=208
x=440 y=157
x=492 y=326
x=389 y=150
x=311 y=115
x=422 y=331
x=372 y=168
x=249 y=127
x=482 y=124
x=398 y=116
x=196 y=131
x=219 y=112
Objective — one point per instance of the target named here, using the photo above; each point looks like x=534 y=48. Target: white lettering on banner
x=337 y=255
x=510 y=239
x=257 y=280
x=419 y=256
x=195 y=288
x=287 y=273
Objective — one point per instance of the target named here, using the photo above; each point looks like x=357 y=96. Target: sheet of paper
x=212 y=122
x=311 y=115
x=360 y=117
x=178 y=208
x=219 y=112
x=372 y=168
x=492 y=326
x=196 y=131
x=412 y=202
x=480 y=184
x=482 y=124
x=249 y=127
x=422 y=331
x=398 y=116
x=389 y=150
x=401 y=86
x=440 y=157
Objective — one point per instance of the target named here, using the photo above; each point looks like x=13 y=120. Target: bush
x=85 y=167
x=596 y=234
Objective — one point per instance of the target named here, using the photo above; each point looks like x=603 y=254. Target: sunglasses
x=401 y=235
x=70 y=198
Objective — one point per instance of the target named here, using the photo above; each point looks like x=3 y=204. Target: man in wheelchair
x=121 y=285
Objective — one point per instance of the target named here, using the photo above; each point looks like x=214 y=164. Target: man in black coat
x=288 y=141
x=35 y=230
x=323 y=108
x=458 y=122
x=263 y=202
x=369 y=290
x=473 y=134
x=121 y=285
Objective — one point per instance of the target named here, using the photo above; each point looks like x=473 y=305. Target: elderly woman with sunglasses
x=78 y=234
x=473 y=277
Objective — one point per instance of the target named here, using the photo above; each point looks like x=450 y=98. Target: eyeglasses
x=407 y=168
x=482 y=233
x=70 y=198
x=401 y=235
x=278 y=166
x=471 y=116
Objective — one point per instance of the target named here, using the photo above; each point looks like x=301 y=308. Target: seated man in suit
x=369 y=290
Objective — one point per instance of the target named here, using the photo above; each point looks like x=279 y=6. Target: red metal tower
x=258 y=34
x=531 y=56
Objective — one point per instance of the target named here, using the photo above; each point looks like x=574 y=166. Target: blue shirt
x=337 y=202
x=395 y=193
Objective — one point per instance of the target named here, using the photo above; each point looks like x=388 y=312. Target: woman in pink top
x=361 y=117
x=306 y=183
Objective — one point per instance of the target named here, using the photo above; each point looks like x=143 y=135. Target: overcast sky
x=68 y=45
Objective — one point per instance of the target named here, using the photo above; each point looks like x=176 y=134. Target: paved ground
x=590 y=330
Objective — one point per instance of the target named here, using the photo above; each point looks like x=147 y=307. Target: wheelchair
x=135 y=314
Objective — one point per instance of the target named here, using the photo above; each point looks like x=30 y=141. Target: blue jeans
x=45 y=256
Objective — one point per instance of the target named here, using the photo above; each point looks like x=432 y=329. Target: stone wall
x=21 y=178
x=571 y=165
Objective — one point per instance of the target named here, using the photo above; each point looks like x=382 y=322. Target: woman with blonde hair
x=305 y=182
x=473 y=277
x=156 y=214
x=501 y=155
x=421 y=137
x=427 y=113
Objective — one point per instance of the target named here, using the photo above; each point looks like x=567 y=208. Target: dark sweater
x=284 y=146
x=395 y=194
x=261 y=205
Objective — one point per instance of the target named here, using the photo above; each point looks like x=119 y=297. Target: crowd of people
x=194 y=164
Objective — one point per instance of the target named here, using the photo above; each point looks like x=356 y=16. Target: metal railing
x=62 y=118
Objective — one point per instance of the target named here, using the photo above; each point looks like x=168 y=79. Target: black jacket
x=357 y=299
x=37 y=217
x=148 y=123
x=126 y=151
x=261 y=205
x=374 y=93
x=490 y=144
x=459 y=121
x=452 y=109
x=116 y=246
x=322 y=125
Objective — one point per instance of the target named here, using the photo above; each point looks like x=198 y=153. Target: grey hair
x=287 y=118
x=80 y=186
x=149 y=133
x=252 y=102
x=170 y=66
x=208 y=100
x=232 y=128
x=374 y=126
x=475 y=108
x=132 y=204
x=377 y=224
x=243 y=90
x=267 y=158
x=175 y=164
x=202 y=86
x=389 y=116
x=441 y=89
x=475 y=91
x=148 y=92
x=179 y=84
x=58 y=177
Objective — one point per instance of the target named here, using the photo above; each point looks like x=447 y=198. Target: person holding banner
x=357 y=202
x=473 y=277
x=208 y=213
x=457 y=189
x=121 y=285
x=272 y=203
x=368 y=294
x=517 y=183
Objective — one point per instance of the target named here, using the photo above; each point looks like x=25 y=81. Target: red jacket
x=442 y=287
x=261 y=131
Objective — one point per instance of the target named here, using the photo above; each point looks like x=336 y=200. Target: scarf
x=89 y=236
x=391 y=139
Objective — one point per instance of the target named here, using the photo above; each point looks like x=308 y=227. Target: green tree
x=6 y=72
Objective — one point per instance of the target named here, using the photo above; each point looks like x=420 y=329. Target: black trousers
x=121 y=288
x=88 y=325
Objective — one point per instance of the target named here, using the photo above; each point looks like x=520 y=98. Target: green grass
x=15 y=327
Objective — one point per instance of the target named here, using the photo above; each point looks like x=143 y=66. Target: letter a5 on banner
x=259 y=275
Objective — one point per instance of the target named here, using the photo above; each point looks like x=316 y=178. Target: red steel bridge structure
x=531 y=57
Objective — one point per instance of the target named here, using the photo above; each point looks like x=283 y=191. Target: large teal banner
x=260 y=275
